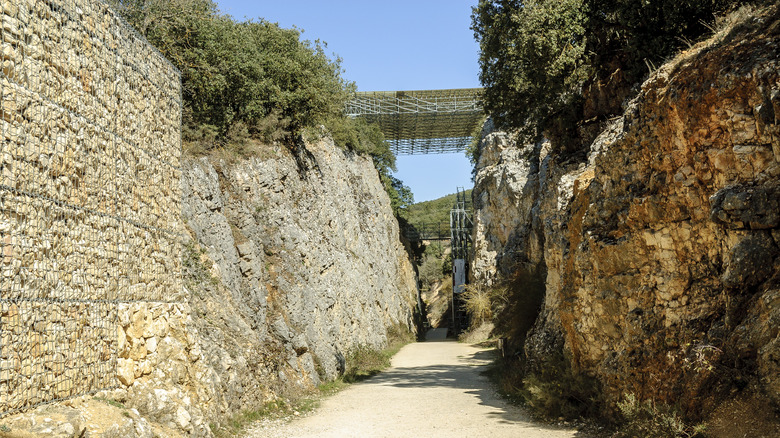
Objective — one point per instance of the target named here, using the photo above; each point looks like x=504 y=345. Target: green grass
x=273 y=409
x=364 y=363
x=110 y=402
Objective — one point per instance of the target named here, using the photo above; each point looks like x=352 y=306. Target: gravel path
x=434 y=389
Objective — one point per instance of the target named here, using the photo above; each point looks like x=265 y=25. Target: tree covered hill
x=433 y=213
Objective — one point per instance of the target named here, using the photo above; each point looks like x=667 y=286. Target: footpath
x=433 y=389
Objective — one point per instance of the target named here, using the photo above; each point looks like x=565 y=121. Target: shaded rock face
x=660 y=252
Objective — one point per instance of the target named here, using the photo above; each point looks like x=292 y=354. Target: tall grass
x=366 y=362
x=483 y=303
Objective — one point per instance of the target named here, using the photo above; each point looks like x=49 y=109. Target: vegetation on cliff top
x=255 y=81
x=540 y=58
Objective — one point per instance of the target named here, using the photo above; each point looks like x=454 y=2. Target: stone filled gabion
x=89 y=193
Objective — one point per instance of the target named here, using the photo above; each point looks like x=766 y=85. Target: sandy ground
x=434 y=389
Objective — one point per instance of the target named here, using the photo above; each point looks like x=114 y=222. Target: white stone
x=183 y=418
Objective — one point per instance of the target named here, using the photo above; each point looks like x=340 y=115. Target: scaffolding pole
x=460 y=235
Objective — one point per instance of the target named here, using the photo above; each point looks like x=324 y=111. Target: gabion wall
x=89 y=193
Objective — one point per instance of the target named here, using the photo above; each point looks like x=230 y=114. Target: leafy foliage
x=473 y=150
x=249 y=72
x=632 y=31
x=536 y=55
x=254 y=80
x=551 y=391
x=433 y=212
x=532 y=59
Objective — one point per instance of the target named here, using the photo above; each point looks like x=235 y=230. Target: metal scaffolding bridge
x=423 y=121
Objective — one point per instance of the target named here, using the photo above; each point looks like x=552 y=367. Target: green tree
x=630 y=34
x=536 y=55
x=400 y=195
x=532 y=59
x=253 y=79
x=251 y=73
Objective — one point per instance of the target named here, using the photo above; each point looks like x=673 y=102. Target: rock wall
x=280 y=266
x=89 y=194
x=295 y=261
x=657 y=255
x=290 y=262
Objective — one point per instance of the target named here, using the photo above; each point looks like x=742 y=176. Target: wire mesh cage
x=89 y=193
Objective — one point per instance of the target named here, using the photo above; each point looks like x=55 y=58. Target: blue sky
x=390 y=45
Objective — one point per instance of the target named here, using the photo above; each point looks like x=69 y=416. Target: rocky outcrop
x=658 y=254
x=294 y=261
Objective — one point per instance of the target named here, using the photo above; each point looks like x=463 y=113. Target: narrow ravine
x=434 y=389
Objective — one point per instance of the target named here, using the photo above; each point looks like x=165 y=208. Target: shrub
x=473 y=150
x=252 y=72
x=483 y=303
x=255 y=80
x=532 y=59
x=650 y=420
x=551 y=390
x=558 y=391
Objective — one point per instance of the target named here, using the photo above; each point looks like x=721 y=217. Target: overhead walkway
x=423 y=121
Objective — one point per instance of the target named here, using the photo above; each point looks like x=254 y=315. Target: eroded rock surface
x=658 y=253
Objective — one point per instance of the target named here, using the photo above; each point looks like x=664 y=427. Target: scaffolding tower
x=423 y=121
x=460 y=238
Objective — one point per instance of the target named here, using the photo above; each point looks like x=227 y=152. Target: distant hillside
x=433 y=212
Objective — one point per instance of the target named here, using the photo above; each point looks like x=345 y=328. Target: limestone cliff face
x=658 y=254
x=305 y=265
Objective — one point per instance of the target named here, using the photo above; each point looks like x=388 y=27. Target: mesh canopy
x=423 y=121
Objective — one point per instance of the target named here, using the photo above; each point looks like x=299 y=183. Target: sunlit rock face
x=658 y=252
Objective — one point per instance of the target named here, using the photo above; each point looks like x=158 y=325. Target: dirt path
x=434 y=389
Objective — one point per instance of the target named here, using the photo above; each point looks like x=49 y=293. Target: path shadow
x=467 y=376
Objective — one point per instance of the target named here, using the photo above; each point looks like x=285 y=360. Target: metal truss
x=423 y=121
x=460 y=226
x=427 y=232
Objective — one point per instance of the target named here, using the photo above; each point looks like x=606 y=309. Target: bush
x=649 y=420
x=254 y=80
x=551 y=391
x=532 y=59
x=252 y=72
x=483 y=303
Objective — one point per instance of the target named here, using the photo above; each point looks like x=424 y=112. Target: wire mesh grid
x=424 y=121
x=89 y=194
